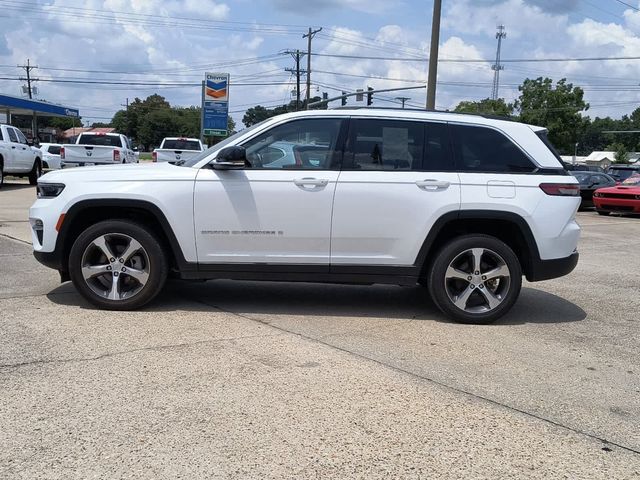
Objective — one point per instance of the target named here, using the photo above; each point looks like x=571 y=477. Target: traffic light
x=369 y=96
x=344 y=99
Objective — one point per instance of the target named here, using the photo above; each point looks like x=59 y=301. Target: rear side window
x=104 y=140
x=12 y=135
x=481 y=149
x=1 y=135
x=181 y=144
x=385 y=145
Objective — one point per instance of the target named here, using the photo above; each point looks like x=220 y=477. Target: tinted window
x=1 y=135
x=54 y=150
x=107 y=140
x=309 y=144
x=480 y=149
x=437 y=154
x=385 y=145
x=181 y=144
x=12 y=135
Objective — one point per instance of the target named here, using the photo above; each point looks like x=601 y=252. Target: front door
x=25 y=154
x=278 y=209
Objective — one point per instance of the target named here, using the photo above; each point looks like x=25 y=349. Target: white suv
x=463 y=204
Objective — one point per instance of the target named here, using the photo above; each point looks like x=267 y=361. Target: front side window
x=377 y=144
x=305 y=144
x=482 y=149
x=21 y=137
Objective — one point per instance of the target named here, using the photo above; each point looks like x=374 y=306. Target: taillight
x=154 y=156
x=116 y=155
x=561 y=189
x=61 y=153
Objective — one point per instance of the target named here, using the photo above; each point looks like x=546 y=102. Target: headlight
x=49 y=190
x=596 y=194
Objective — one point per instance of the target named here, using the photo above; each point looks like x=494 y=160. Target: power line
x=477 y=60
x=628 y=5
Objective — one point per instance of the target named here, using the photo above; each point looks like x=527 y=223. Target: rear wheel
x=36 y=172
x=601 y=212
x=1 y=173
x=118 y=265
x=475 y=279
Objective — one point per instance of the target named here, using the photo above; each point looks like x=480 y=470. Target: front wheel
x=36 y=172
x=602 y=212
x=475 y=279
x=118 y=265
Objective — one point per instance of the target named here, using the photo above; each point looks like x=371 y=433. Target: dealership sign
x=215 y=104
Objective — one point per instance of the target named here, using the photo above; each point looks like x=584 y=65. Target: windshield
x=101 y=140
x=197 y=158
x=181 y=144
x=632 y=181
x=582 y=177
x=621 y=173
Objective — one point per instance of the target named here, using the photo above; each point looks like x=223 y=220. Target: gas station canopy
x=23 y=106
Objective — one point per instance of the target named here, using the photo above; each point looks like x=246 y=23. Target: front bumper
x=548 y=269
x=622 y=205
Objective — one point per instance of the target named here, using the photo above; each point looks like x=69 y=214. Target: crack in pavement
x=134 y=350
x=592 y=436
x=16 y=239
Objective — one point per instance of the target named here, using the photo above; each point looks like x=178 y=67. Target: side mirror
x=230 y=158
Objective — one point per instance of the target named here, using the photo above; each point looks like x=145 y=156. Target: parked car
x=622 y=172
x=445 y=200
x=175 y=149
x=622 y=198
x=50 y=155
x=589 y=183
x=17 y=158
x=577 y=167
x=96 y=148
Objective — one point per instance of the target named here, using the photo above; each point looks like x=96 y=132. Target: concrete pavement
x=266 y=380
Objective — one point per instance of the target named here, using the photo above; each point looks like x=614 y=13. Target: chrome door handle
x=431 y=184
x=303 y=182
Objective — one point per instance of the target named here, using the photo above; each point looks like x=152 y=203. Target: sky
x=132 y=43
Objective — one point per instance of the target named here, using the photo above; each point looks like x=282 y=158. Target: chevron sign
x=217 y=87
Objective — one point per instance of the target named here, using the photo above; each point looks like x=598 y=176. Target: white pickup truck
x=17 y=158
x=175 y=149
x=93 y=148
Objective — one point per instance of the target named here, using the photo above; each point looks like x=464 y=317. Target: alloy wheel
x=115 y=266
x=477 y=280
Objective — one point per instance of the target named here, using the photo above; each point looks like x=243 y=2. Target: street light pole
x=433 y=55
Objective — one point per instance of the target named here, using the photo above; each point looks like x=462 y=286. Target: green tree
x=621 y=153
x=558 y=108
x=156 y=125
x=486 y=106
x=259 y=113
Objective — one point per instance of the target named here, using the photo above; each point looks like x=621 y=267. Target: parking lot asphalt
x=279 y=380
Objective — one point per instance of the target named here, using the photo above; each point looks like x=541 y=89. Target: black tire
x=494 y=253
x=601 y=212
x=155 y=262
x=36 y=172
x=1 y=172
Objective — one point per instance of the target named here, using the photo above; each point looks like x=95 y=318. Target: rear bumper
x=548 y=269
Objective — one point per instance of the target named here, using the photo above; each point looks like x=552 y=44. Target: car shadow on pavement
x=300 y=299
x=14 y=186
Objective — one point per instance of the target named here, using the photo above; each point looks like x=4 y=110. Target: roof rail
x=483 y=115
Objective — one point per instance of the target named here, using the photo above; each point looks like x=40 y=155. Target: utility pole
x=403 y=99
x=309 y=36
x=27 y=68
x=433 y=55
x=496 y=67
x=297 y=55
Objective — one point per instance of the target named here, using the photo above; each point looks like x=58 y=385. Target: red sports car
x=623 y=198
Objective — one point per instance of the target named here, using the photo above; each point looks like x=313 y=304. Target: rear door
x=397 y=178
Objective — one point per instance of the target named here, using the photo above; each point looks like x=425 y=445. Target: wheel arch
x=508 y=227
x=88 y=212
